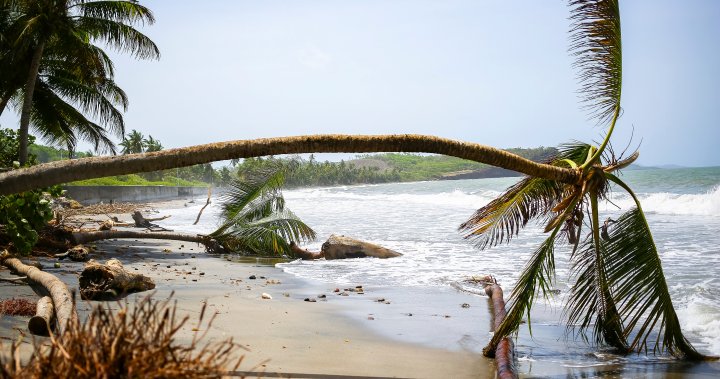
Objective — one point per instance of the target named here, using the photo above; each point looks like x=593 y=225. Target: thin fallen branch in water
x=205 y=206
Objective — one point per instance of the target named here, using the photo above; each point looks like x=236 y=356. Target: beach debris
x=336 y=290
x=310 y=300
x=110 y=281
x=371 y=318
x=204 y=206
x=381 y=300
x=17 y=307
x=286 y=295
x=43 y=322
x=322 y=296
x=303 y=254
x=78 y=253
x=252 y=277
x=341 y=247
x=465 y=305
x=344 y=294
x=56 y=265
x=266 y=296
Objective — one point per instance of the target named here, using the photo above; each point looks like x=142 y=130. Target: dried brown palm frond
x=134 y=342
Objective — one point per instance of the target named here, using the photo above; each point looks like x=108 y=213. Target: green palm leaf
x=591 y=302
x=502 y=218
x=538 y=272
x=635 y=269
x=595 y=42
x=122 y=37
x=119 y=11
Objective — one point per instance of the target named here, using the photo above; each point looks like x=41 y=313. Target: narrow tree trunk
x=86 y=168
x=98 y=280
x=61 y=297
x=504 y=352
x=42 y=323
x=27 y=103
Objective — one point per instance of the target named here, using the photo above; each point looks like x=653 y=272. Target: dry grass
x=129 y=343
x=17 y=307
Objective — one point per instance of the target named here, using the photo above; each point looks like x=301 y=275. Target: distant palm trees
x=52 y=70
x=135 y=142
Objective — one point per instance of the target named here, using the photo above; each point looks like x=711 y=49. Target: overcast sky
x=492 y=72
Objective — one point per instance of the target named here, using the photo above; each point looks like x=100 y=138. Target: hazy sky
x=492 y=72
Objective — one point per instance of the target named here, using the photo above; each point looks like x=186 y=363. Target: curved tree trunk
x=504 y=352
x=27 y=103
x=78 y=169
x=61 y=297
x=42 y=323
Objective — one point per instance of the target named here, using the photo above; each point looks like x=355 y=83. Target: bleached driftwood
x=110 y=280
x=43 y=322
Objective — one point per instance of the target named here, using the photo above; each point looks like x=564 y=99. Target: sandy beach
x=285 y=334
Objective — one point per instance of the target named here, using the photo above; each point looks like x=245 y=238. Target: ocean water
x=420 y=220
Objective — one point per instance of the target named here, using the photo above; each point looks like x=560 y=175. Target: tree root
x=61 y=297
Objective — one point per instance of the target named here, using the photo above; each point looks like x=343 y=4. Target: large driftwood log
x=61 y=297
x=341 y=247
x=110 y=280
x=211 y=244
x=504 y=353
x=44 y=320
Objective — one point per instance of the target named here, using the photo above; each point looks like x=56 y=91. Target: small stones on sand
x=286 y=295
x=266 y=296
x=310 y=300
x=371 y=318
x=321 y=296
x=408 y=314
x=167 y=251
x=336 y=290
x=465 y=305
x=252 y=277
x=344 y=294
x=381 y=300
x=202 y=273
x=192 y=256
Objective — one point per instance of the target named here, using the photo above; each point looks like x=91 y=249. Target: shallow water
x=421 y=219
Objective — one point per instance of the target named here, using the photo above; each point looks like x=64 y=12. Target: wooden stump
x=110 y=281
x=78 y=253
x=44 y=320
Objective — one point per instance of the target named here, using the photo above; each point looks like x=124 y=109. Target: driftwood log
x=504 y=352
x=61 y=297
x=44 y=320
x=78 y=253
x=212 y=245
x=110 y=281
x=341 y=247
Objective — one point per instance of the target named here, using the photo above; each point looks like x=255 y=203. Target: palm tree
x=85 y=168
x=134 y=143
x=620 y=295
x=151 y=144
x=254 y=216
x=71 y=26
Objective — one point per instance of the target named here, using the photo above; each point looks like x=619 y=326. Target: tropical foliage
x=255 y=219
x=23 y=214
x=619 y=294
x=55 y=75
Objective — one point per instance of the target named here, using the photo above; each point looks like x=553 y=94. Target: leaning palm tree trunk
x=67 y=171
x=27 y=103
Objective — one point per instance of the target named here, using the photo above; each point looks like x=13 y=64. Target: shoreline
x=284 y=335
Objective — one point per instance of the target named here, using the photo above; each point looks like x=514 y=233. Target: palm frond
x=596 y=44
x=259 y=184
x=503 y=217
x=267 y=236
x=122 y=37
x=539 y=272
x=591 y=302
x=635 y=269
x=119 y=11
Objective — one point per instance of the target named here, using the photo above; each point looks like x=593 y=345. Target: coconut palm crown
x=54 y=40
x=619 y=294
